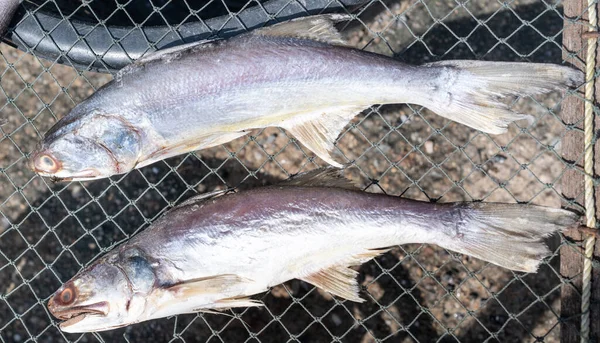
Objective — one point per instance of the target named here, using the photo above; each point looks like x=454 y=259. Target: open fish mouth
x=76 y=314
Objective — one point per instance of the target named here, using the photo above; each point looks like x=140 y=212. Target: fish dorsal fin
x=337 y=280
x=169 y=52
x=318 y=28
x=203 y=197
x=318 y=131
x=166 y=55
x=322 y=177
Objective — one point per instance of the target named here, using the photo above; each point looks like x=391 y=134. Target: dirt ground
x=48 y=231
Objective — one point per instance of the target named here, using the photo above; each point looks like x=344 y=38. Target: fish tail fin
x=469 y=92
x=509 y=235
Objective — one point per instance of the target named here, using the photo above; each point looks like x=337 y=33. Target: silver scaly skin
x=298 y=75
x=213 y=253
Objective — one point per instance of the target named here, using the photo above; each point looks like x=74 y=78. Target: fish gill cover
x=49 y=231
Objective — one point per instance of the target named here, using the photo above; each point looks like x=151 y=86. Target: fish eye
x=67 y=296
x=48 y=161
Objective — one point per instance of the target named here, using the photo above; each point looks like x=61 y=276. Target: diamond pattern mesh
x=49 y=231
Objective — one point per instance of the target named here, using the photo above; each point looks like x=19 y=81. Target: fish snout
x=54 y=308
x=51 y=305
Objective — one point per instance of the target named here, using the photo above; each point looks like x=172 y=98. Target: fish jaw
x=71 y=325
x=98 y=317
x=78 y=314
x=100 y=308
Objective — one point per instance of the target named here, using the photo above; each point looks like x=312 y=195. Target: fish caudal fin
x=470 y=92
x=509 y=235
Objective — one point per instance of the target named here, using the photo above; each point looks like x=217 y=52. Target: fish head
x=92 y=300
x=83 y=147
x=109 y=294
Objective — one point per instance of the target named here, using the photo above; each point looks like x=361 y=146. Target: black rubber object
x=94 y=46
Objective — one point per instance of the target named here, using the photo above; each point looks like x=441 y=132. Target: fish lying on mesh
x=297 y=75
x=214 y=252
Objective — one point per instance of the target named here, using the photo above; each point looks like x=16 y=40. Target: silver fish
x=214 y=252
x=298 y=75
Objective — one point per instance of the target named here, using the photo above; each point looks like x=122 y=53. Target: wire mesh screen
x=49 y=231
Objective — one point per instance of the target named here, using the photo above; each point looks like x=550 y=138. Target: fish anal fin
x=318 y=28
x=340 y=280
x=203 y=142
x=318 y=131
x=337 y=280
x=321 y=177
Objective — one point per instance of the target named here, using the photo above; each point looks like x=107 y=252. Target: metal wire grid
x=415 y=293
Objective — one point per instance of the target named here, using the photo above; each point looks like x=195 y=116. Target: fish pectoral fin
x=337 y=280
x=203 y=142
x=199 y=295
x=318 y=27
x=207 y=285
x=319 y=132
